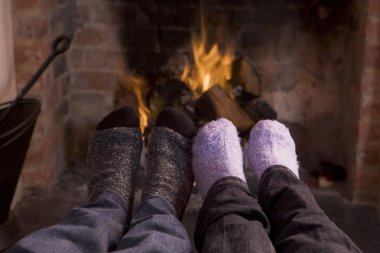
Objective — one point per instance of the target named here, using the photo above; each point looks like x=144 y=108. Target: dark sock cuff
x=176 y=121
x=123 y=117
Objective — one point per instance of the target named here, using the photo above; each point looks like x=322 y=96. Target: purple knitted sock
x=216 y=154
x=270 y=144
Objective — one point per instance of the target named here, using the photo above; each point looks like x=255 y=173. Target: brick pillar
x=33 y=34
x=94 y=62
x=367 y=176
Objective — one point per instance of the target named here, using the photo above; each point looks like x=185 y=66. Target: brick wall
x=367 y=182
x=34 y=30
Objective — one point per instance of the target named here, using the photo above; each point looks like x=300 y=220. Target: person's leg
x=230 y=220
x=297 y=222
x=98 y=226
x=156 y=227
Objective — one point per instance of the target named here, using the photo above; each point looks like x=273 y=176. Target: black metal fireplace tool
x=59 y=46
x=17 y=120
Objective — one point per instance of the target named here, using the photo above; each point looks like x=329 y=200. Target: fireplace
x=316 y=64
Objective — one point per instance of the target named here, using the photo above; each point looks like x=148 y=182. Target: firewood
x=215 y=104
x=258 y=110
x=245 y=75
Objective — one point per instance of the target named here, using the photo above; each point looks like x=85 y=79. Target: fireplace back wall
x=308 y=54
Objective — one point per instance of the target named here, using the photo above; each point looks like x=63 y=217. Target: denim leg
x=231 y=220
x=297 y=222
x=155 y=228
x=95 y=227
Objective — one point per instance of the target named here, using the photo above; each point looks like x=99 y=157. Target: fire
x=210 y=66
x=139 y=86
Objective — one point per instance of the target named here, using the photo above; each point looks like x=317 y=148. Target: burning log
x=258 y=110
x=173 y=93
x=245 y=75
x=215 y=104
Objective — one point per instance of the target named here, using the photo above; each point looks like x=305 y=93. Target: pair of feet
x=217 y=152
x=176 y=151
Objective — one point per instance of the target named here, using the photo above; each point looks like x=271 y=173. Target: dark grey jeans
x=231 y=220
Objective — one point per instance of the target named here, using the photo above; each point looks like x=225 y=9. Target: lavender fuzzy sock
x=216 y=154
x=270 y=143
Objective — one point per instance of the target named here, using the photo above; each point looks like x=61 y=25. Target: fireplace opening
x=284 y=60
x=313 y=65
x=294 y=61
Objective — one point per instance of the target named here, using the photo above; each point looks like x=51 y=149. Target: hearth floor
x=40 y=209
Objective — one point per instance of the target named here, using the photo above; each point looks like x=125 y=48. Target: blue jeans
x=231 y=220
x=100 y=226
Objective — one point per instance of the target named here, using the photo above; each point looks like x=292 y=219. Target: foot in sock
x=114 y=154
x=270 y=143
x=169 y=159
x=216 y=154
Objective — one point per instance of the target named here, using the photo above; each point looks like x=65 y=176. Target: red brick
x=373 y=31
x=26 y=4
x=35 y=153
x=90 y=37
x=32 y=8
x=370 y=135
x=40 y=88
x=24 y=74
x=115 y=14
x=83 y=13
x=45 y=155
x=65 y=82
x=38 y=129
x=370 y=77
x=30 y=52
x=104 y=60
x=54 y=96
x=94 y=80
x=31 y=28
x=371 y=157
x=370 y=110
x=374 y=7
x=372 y=57
x=369 y=130
x=54 y=139
x=85 y=118
x=365 y=198
x=75 y=58
x=367 y=180
x=39 y=178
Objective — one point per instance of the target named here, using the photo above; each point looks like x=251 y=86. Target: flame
x=139 y=86
x=210 y=66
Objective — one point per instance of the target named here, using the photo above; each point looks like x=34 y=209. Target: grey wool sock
x=114 y=154
x=169 y=160
x=216 y=154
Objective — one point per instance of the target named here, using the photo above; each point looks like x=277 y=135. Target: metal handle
x=59 y=45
